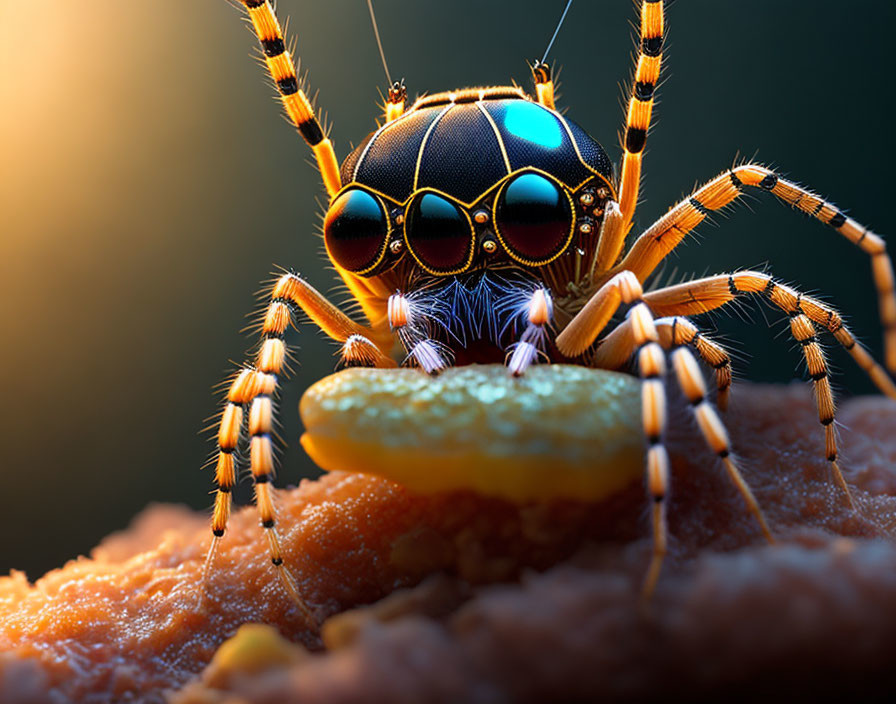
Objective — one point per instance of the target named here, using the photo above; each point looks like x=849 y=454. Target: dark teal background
x=149 y=184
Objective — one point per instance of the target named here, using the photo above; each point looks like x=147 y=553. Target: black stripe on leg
x=252 y=4
x=698 y=206
x=652 y=46
x=769 y=182
x=644 y=90
x=288 y=85
x=273 y=47
x=735 y=180
x=635 y=138
x=732 y=287
x=837 y=220
x=311 y=131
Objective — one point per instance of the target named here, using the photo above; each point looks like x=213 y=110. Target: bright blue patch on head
x=533 y=123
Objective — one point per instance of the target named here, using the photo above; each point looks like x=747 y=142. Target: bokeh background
x=148 y=184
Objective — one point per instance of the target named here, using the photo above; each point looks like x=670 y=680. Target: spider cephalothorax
x=481 y=223
x=465 y=180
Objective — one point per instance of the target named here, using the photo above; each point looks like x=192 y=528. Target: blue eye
x=356 y=231
x=534 y=219
x=439 y=235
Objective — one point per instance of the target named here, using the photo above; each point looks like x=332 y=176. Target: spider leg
x=616 y=349
x=640 y=106
x=256 y=387
x=588 y=323
x=639 y=332
x=652 y=369
x=644 y=342
x=610 y=240
x=666 y=233
x=539 y=313
x=690 y=381
x=359 y=351
x=410 y=324
x=806 y=314
x=298 y=107
x=678 y=331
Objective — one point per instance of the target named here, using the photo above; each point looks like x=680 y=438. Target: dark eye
x=356 y=231
x=439 y=235
x=534 y=219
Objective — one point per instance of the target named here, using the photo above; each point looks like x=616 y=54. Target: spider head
x=468 y=180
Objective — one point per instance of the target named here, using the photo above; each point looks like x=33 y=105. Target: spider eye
x=356 y=231
x=439 y=235
x=534 y=219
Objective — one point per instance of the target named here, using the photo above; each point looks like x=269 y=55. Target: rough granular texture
x=471 y=599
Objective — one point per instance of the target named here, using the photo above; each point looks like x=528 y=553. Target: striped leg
x=296 y=103
x=257 y=385
x=664 y=235
x=616 y=349
x=805 y=313
x=640 y=329
x=409 y=323
x=640 y=106
x=652 y=369
x=531 y=343
x=678 y=331
x=690 y=381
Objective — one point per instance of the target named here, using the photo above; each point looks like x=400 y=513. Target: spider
x=481 y=225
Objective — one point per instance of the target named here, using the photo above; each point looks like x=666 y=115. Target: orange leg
x=639 y=332
x=584 y=328
x=298 y=107
x=611 y=239
x=581 y=332
x=806 y=315
x=677 y=331
x=652 y=369
x=690 y=381
x=616 y=349
x=257 y=386
x=664 y=235
x=640 y=107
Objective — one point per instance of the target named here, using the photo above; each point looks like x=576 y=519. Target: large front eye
x=534 y=219
x=356 y=231
x=439 y=235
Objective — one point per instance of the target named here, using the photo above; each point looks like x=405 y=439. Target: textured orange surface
x=818 y=609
